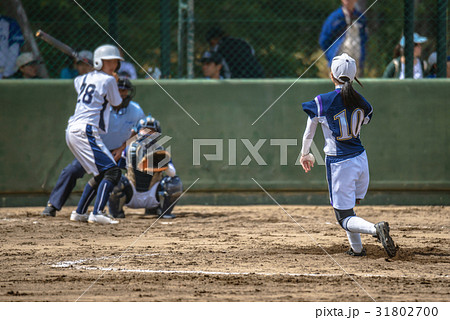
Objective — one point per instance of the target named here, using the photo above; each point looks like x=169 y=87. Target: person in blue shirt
x=341 y=113
x=11 y=40
x=121 y=122
x=336 y=39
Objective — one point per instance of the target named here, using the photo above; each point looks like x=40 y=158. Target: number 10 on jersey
x=356 y=120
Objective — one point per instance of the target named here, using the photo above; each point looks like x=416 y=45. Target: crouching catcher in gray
x=151 y=181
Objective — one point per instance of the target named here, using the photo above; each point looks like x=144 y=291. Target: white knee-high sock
x=359 y=225
x=355 y=241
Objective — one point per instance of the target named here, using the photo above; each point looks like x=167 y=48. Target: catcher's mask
x=125 y=84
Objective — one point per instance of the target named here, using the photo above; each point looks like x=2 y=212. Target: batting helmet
x=105 y=52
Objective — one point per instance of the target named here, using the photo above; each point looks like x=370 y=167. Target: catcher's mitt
x=154 y=161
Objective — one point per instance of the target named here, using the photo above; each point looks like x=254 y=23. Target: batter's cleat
x=355 y=254
x=383 y=236
x=102 y=218
x=75 y=216
x=49 y=211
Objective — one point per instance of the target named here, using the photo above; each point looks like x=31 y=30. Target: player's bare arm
x=117 y=153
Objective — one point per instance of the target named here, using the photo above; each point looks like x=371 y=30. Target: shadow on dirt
x=426 y=255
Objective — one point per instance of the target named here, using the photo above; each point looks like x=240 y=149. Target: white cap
x=343 y=66
x=24 y=58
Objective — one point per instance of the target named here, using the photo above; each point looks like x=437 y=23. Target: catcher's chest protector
x=141 y=180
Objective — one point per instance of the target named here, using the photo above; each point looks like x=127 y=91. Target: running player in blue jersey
x=97 y=91
x=342 y=113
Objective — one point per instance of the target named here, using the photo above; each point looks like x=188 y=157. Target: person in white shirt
x=97 y=92
x=122 y=121
x=396 y=68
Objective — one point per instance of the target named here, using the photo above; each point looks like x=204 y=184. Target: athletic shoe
x=383 y=236
x=75 y=216
x=168 y=216
x=165 y=216
x=101 y=218
x=49 y=211
x=353 y=253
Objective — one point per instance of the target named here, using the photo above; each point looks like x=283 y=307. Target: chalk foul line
x=78 y=264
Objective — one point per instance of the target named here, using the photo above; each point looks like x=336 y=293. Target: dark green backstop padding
x=406 y=142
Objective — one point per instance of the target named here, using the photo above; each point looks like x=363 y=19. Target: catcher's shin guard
x=121 y=195
x=168 y=192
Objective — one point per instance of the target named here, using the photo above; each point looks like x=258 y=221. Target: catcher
x=151 y=180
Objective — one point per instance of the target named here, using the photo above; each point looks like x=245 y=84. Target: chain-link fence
x=283 y=36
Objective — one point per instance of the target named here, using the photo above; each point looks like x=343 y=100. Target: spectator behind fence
x=126 y=69
x=212 y=65
x=396 y=68
x=432 y=65
x=11 y=39
x=153 y=72
x=81 y=66
x=448 y=66
x=335 y=40
x=239 y=59
x=27 y=66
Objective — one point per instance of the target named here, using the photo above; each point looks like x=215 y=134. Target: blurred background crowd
x=219 y=39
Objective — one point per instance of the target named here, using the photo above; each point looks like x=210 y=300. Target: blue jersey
x=341 y=126
x=334 y=33
x=120 y=125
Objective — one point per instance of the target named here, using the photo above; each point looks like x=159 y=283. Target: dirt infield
x=245 y=253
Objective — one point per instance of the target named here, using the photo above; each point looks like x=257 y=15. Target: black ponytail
x=351 y=98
